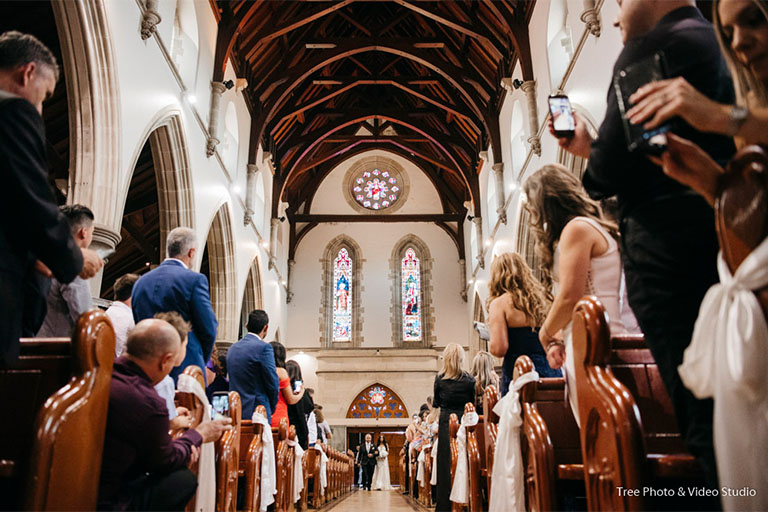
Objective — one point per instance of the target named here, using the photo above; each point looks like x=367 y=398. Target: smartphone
x=562 y=115
x=220 y=405
x=625 y=83
x=297 y=386
x=105 y=252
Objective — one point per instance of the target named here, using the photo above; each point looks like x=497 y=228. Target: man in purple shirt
x=142 y=467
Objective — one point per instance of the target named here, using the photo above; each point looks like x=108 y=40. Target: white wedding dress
x=380 y=481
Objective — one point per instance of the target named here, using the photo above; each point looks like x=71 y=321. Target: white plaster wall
x=376 y=241
x=422 y=197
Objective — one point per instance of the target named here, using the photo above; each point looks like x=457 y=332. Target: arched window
x=412 y=321
x=377 y=401
x=184 y=46
x=559 y=42
x=491 y=199
x=519 y=151
x=341 y=322
x=231 y=139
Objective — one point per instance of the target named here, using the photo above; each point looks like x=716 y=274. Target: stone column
x=217 y=89
x=498 y=175
x=150 y=19
x=274 y=226
x=250 y=193
x=463 y=278
x=529 y=88
x=591 y=17
x=104 y=238
x=289 y=291
x=478 y=225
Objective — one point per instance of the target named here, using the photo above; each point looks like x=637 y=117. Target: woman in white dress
x=579 y=246
x=380 y=480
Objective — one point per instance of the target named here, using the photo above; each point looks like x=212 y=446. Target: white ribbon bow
x=433 y=453
x=323 y=470
x=459 y=491
x=268 y=485
x=298 y=474
x=731 y=315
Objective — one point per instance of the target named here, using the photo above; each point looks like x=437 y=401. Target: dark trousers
x=670 y=263
x=169 y=492
x=368 y=475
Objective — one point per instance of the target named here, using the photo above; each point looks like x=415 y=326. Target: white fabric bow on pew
x=268 y=484
x=460 y=487
x=421 y=460
x=508 y=489
x=298 y=474
x=433 y=453
x=205 y=498
x=323 y=470
x=728 y=361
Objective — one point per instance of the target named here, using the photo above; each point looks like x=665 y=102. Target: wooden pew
x=312 y=495
x=476 y=501
x=228 y=458
x=425 y=487
x=284 y=458
x=453 y=429
x=197 y=410
x=251 y=453
x=69 y=430
x=490 y=430
x=614 y=444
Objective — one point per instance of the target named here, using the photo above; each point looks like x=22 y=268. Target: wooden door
x=395 y=438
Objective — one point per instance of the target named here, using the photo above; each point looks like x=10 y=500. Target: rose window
x=376 y=189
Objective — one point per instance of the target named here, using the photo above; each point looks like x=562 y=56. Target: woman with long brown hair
x=579 y=246
x=517 y=306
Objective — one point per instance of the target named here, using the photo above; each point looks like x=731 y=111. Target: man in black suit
x=668 y=241
x=368 y=454
x=35 y=240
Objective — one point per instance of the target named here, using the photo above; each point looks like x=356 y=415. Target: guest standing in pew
x=580 y=247
x=251 y=365
x=40 y=247
x=120 y=312
x=297 y=413
x=517 y=306
x=174 y=286
x=67 y=301
x=454 y=388
x=216 y=374
x=142 y=467
x=668 y=238
x=286 y=395
x=484 y=374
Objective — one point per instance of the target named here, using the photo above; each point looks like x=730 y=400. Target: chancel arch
x=252 y=296
x=341 y=323
x=412 y=310
x=377 y=401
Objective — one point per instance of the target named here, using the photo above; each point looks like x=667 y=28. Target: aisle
x=378 y=501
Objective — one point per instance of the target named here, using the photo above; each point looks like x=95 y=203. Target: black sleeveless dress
x=524 y=341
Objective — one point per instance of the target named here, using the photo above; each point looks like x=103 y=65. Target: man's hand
x=92 y=263
x=581 y=142
x=195 y=455
x=212 y=430
x=40 y=268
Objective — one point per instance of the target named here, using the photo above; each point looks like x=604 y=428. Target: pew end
x=228 y=457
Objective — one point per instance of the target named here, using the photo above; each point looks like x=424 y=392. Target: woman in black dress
x=453 y=389
x=517 y=306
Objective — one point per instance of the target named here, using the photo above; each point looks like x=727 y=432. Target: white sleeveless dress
x=380 y=480
x=604 y=282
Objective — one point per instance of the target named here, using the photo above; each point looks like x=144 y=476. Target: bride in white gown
x=380 y=481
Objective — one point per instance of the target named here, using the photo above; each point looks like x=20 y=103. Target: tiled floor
x=374 y=501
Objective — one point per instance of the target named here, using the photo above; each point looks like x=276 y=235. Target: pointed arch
x=252 y=295
x=377 y=401
x=223 y=285
x=399 y=309
x=332 y=253
x=478 y=315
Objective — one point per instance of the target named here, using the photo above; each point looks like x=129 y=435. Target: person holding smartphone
x=286 y=396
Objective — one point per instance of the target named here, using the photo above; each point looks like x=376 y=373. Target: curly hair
x=554 y=197
x=511 y=276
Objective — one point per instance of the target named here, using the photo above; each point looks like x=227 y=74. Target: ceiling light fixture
x=319 y=46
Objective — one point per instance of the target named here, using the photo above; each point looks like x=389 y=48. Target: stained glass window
x=375 y=189
x=377 y=401
x=342 y=297
x=411 y=296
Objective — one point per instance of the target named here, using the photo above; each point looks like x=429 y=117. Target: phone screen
x=220 y=405
x=297 y=386
x=105 y=253
x=562 y=115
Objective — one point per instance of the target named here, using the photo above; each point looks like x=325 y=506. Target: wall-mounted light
x=488 y=242
x=469 y=218
x=229 y=84
x=189 y=97
x=265 y=245
x=517 y=83
x=281 y=219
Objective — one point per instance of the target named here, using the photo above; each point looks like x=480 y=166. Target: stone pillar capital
x=105 y=237
x=591 y=17
x=498 y=167
x=149 y=19
x=529 y=87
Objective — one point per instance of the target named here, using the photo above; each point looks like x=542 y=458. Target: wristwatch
x=738 y=116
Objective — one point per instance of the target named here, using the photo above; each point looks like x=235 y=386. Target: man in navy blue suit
x=173 y=286
x=251 y=367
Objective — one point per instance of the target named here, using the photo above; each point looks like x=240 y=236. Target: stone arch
x=478 y=315
x=377 y=401
x=428 y=338
x=559 y=42
x=220 y=247
x=252 y=295
x=94 y=120
x=326 y=306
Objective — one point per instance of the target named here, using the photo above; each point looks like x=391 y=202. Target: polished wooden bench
x=228 y=459
x=251 y=453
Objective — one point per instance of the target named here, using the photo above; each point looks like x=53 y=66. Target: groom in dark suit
x=368 y=454
x=173 y=286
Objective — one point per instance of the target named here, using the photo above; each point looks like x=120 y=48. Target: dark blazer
x=364 y=459
x=252 y=373
x=31 y=227
x=171 y=287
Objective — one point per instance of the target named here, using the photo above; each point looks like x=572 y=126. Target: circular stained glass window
x=376 y=189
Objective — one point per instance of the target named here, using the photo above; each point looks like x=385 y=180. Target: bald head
x=151 y=339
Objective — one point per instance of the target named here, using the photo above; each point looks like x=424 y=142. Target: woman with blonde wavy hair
x=453 y=389
x=579 y=246
x=484 y=374
x=517 y=306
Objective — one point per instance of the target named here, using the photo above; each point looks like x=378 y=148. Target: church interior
x=354 y=169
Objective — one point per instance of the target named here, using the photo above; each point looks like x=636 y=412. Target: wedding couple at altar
x=375 y=462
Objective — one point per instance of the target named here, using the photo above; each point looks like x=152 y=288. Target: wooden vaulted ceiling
x=329 y=80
